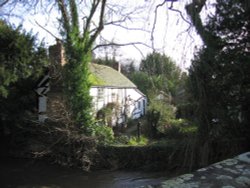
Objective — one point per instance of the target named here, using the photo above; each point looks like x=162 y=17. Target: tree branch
x=175 y=10
x=3 y=3
x=128 y=28
x=155 y=20
x=100 y=26
x=138 y=49
x=124 y=44
x=48 y=31
x=74 y=16
x=193 y=10
x=89 y=18
x=66 y=19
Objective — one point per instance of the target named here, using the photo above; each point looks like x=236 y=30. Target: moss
x=134 y=141
x=94 y=80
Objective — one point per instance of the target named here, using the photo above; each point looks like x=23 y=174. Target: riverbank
x=229 y=173
x=26 y=173
x=67 y=147
x=147 y=158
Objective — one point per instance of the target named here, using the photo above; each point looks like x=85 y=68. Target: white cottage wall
x=132 y=98
x=138 y=103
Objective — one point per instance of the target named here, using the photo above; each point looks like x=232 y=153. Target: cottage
x=110 y=89
x=115 y=88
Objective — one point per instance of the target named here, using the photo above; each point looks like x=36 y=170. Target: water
x=16 y=173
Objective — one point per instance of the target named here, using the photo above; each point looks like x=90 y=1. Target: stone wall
x=230 y=173
x=146 y=158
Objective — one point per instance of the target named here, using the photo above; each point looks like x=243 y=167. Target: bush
x=123 y=139
x=135 y=141
x=180 y=128
x=103 y=133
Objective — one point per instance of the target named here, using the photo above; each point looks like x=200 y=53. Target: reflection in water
x=27 y=174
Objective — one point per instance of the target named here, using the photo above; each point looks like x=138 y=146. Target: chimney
x=57 y=61
x=56 y=54
x=118 y=66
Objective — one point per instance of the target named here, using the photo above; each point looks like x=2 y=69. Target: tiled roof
x=107 y=76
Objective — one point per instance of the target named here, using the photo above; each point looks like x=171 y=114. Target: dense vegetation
x=211 y=100
x=219 y=80
x=23 y=61
x=21 y=57
x=160 y=79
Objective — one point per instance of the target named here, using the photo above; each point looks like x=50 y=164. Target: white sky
x=170 y=35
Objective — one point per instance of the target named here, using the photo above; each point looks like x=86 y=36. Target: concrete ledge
x=230 y=173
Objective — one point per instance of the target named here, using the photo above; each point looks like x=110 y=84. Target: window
x=139 y=105
x=100 y=94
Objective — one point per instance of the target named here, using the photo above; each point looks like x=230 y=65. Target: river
x=19 y=173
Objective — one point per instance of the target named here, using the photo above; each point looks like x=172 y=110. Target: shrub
x=103 y=133
x=108 y=113
x=135 y=141
x=123 y=139
x=180 y=128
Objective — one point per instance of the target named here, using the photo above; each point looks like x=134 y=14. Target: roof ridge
x=110 y=76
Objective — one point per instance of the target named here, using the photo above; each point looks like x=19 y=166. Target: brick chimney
x=57 y=54
x=117 y=66
x=57 y=61
x=56 y=106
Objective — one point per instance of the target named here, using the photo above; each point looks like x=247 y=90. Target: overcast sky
x=172 y=35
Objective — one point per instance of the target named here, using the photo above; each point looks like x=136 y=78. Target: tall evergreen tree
x=164 y=73
x=22 y=62
x=220 y=76
x=20 y=57
x=78 y=45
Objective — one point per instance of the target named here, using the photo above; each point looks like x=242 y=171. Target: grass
x=123 y=141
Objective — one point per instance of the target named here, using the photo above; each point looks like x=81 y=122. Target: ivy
x=77 y=84
x=78 y=46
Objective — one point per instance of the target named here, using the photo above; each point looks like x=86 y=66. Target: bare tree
x=82 y=21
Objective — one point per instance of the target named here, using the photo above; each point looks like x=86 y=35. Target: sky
x=172 y=34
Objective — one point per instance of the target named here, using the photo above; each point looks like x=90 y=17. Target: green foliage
x=142 y=81
x=77 y=86
x=129 y=68
x=180 y=128
x=164 y=73
x=122 y=140
x=125 y=140
x=165 y=143
x=22 y=62
x=107 y=61
x=95 y=80
x=108 y=113
x=219 y=75
x=135 y=141
x=76 y=73
x=20 y=56
x=162 y=81
x=186 y=109
x=166 y=110
x=104 y=134
x=157 y=64
x=126 y=69
x=159 y=74
x=78 y=46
